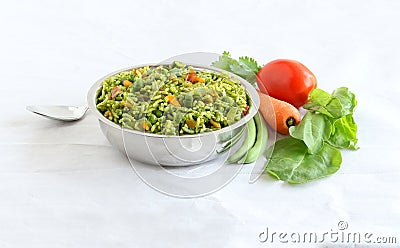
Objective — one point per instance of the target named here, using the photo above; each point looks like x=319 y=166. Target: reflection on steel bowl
x=172 y=114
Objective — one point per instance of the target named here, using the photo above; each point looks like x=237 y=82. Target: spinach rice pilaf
x=172 y=99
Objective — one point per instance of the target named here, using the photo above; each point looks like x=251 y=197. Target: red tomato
x=287 y=80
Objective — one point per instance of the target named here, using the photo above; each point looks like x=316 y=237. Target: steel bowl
x=171 y=150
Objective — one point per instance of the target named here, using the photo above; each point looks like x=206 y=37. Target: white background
x=63 y=185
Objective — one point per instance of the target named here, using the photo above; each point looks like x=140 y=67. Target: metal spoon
x=61 y=113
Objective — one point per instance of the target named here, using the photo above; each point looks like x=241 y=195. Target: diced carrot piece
x=199 y=79
x=115 y=91
x=176 y=103
x=145 y=126
x=172 y=100
x=215 y=124
x=192 y=77
x=127 y=83
x=191 y=123
x=246 y=110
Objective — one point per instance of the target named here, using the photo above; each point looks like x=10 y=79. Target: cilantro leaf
x=250 y=63
x=245 y=67
x=243 y=72
x=224 y=62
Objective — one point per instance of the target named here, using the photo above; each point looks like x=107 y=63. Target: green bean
x=261 y=141
x=232 y=141
x=228 y=136
x=247 y=143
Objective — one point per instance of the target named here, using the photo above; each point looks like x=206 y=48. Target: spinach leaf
x=344 y=133
x=319 y=99
x=313 y=130
x=347 y=100
x=342 y=102
x=338 y=109
x=289 y=161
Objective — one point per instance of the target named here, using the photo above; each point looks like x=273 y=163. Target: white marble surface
x=63 y=185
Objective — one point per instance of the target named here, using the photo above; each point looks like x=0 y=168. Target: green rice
x=172 y=100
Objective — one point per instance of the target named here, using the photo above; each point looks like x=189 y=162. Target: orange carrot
x=191 y=123
x=192 y=77
x=215 y=124
x=145 y=126
x=172 y=100
x=115 y=92
x=127 y=83
x=199 y=79
x=278 y=114
x=107 y=114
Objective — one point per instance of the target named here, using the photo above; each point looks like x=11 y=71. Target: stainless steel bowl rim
x=251 y=91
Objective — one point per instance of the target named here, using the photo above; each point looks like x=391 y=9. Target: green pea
x=152 y=118
x=158 y=113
